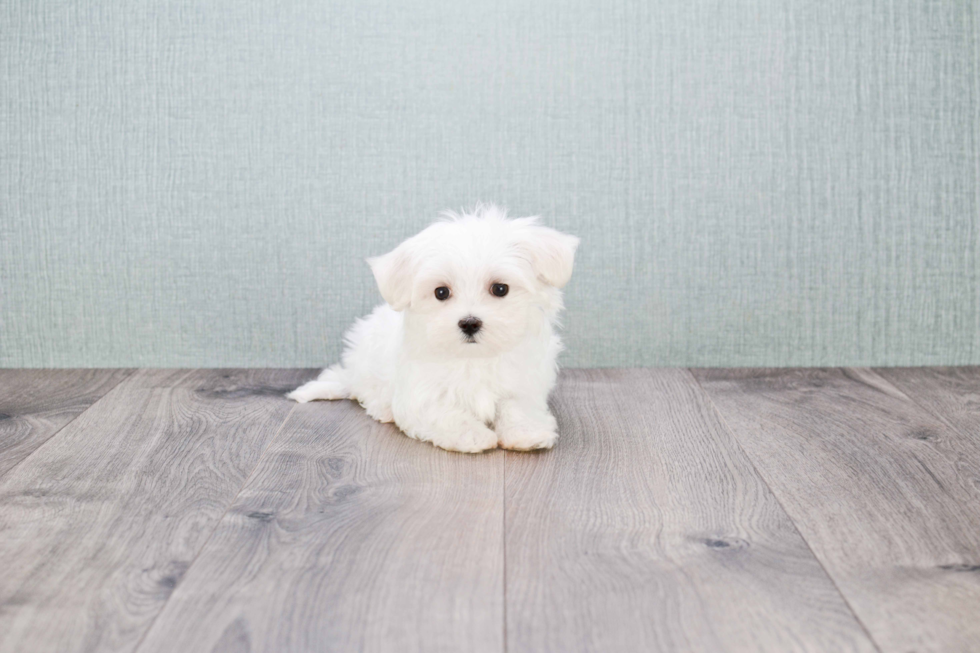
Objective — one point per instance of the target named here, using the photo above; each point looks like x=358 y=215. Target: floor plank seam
x=503 y=472
x=923 y=407
x=69 y=423
x=833 y=581
x=217 y=524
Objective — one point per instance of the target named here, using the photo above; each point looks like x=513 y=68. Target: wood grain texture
x=36 y=404
x=950 y=393
x=886 y=495
x=647 y=529
x=99 y=525
x=349 y=537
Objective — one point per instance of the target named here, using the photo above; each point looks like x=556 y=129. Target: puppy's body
x=474 y=369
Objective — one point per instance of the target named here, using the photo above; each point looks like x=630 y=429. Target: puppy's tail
x=331 y=384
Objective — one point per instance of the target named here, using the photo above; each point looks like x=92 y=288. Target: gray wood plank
x=99 y=525
x=349 y=537
x=885 y=494
x=647 y=529
x=36 y=404
x=950 y=393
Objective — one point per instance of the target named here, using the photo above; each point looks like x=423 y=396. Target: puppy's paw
x=299 y=395
x=521 y=438
x=317 y=390
x=379 y=411
x=472 y=440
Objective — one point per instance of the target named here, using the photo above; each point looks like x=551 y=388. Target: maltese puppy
x=463 y=355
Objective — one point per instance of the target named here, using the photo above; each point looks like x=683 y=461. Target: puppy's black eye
x=442 y=293
x=499 y=289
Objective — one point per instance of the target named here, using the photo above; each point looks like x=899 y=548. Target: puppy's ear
x=394 y=273
x=551 y=253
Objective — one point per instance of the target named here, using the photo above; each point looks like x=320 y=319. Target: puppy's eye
x=443 y=293
x=499 y=289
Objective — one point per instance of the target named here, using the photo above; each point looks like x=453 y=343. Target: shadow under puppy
x=463 y=355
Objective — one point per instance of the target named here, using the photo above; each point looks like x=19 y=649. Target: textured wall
x=756 y=182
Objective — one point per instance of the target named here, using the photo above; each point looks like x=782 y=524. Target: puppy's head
x=474 y=284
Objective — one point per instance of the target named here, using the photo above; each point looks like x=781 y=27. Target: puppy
x=463 y=355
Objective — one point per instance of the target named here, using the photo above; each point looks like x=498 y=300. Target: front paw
x=521 y=438
x=314 y=390
x=303 y=394
x=473 y=440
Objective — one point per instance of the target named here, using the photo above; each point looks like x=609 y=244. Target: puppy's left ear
x=394 y=272
x=551 y=252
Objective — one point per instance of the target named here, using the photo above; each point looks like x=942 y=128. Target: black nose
x=470 y=325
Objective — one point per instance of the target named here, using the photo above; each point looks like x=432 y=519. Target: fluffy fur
x=410 y=361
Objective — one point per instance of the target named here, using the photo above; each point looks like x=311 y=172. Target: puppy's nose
x=470 y=325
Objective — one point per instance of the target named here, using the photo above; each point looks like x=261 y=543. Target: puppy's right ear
x=394 y=272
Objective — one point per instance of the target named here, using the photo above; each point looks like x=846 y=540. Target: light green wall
x=196 y=182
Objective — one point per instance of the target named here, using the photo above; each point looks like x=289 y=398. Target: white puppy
x=463 y=353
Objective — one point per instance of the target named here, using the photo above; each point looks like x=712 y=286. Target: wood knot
x=923 y=434
x=174 y=571
x=345 y=491
x=335 y=464
x=960 y=566
x=722 y=543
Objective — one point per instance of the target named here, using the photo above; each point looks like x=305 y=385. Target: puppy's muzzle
x=470 y=326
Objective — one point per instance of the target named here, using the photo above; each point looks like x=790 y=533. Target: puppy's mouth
x=469 y=340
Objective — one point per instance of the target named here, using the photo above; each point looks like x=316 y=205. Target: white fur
x=409 y=363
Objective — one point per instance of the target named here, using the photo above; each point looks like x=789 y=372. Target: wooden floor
x=681 y=510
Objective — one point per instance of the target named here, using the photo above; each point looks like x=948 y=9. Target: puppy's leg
x=461 y=432
x=331 y=384
x=378 y=409
x=523 y=426
x=448 y=428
